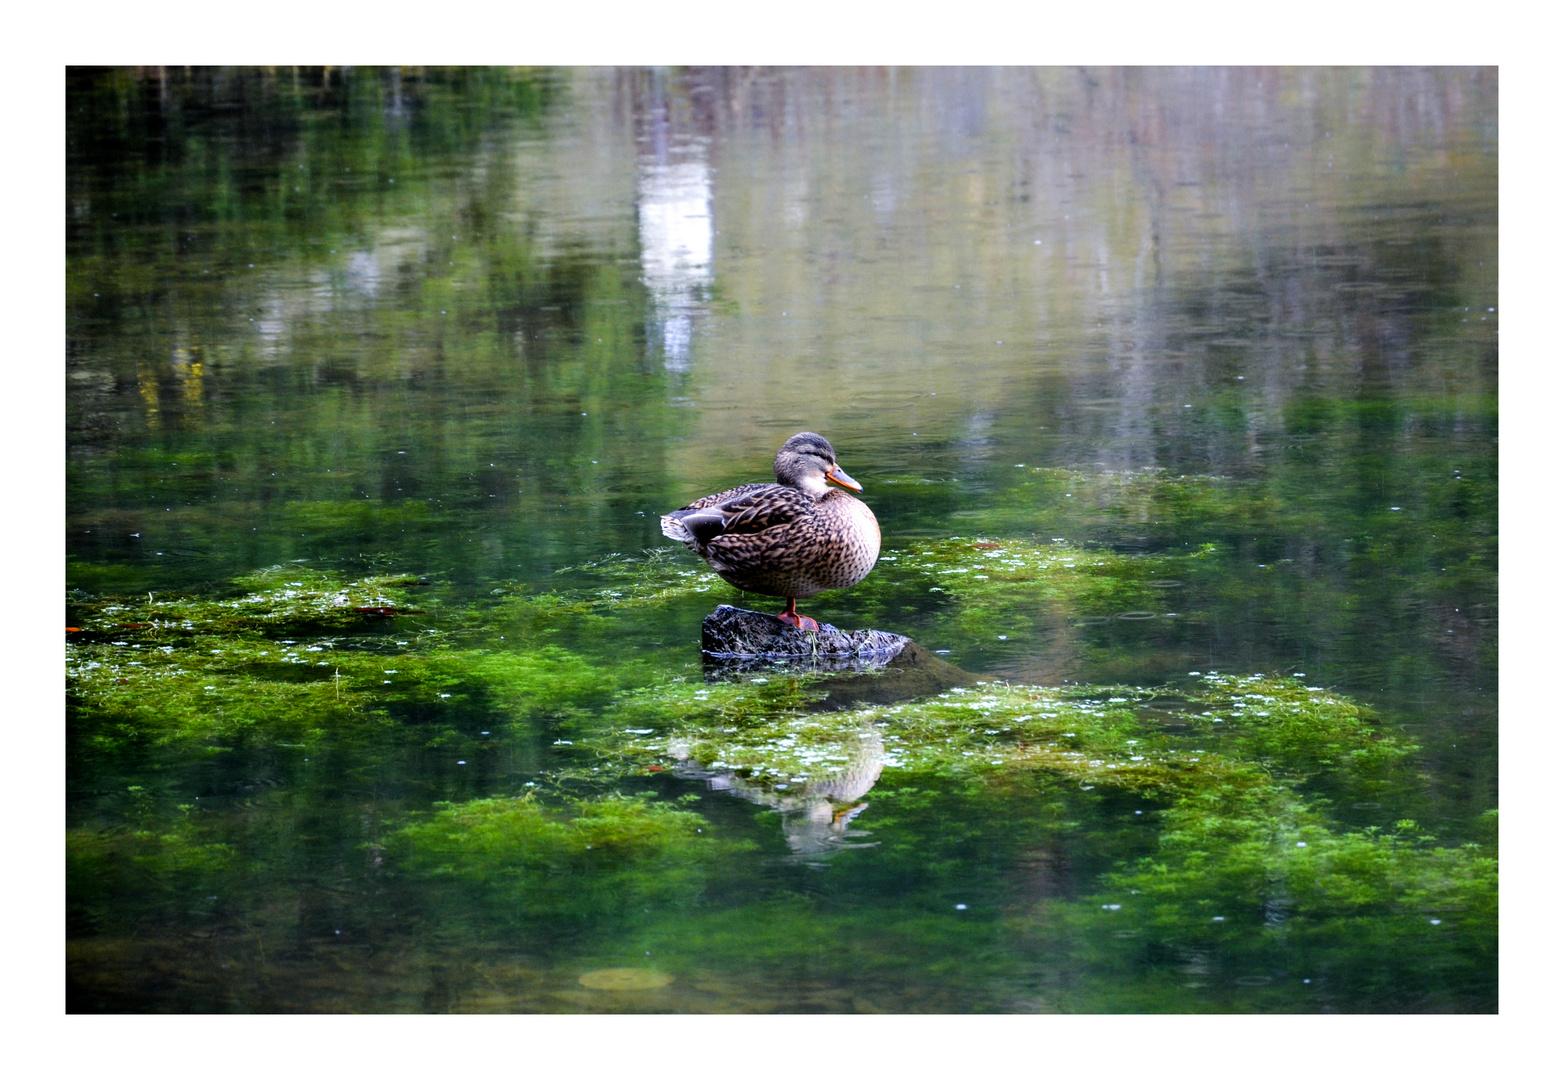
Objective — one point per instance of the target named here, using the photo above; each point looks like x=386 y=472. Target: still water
x=1173 y=391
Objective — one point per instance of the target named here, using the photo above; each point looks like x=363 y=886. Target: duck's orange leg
x=794 y=619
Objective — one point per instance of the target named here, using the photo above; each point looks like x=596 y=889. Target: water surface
x=1232 y=333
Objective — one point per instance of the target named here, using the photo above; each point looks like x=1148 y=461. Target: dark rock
x=731 y=633
x=867 y=666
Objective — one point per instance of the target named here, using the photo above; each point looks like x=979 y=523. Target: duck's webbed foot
x=795 y=620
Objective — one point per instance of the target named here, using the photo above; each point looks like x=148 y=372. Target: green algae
x=119 y=875
x=1001 y=578
x=1243 y=863
x=1230 y=846
x=1087 y=733
x=581 y=859
x=299 y=655
x=657 y=576
x=282 y=600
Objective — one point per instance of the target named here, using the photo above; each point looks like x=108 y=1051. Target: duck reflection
x=817 y=810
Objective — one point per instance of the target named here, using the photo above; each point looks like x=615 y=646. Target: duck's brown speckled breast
x=834 y=548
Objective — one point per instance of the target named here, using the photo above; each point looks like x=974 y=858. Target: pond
x=1174 y=393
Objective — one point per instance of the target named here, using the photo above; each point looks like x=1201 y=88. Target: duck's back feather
x=777 y=540
x=740 y=509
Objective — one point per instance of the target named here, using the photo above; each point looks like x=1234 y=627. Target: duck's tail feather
x=674 y=529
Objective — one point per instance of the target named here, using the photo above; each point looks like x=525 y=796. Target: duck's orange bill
x=838 y=476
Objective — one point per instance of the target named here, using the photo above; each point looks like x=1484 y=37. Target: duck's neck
x=813 y=486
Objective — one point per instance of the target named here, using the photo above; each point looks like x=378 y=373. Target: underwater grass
x=578 y=860
x=1230 y=859
x=1244 y=865
x=302 y=654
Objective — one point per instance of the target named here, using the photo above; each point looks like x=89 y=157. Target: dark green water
x=1198 y=367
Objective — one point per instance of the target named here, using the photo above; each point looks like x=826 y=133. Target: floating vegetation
x=1101 y=735
x=990 y=578
x=1238 y=842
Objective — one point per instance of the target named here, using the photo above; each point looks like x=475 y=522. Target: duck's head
x=806 y=461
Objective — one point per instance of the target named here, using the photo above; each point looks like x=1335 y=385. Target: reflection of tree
x=1143 y=237
x=676 y=237
x=674 y=208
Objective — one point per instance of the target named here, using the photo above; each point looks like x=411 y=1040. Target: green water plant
x=569 y=861
x=1249 y=870
x=1218 y=851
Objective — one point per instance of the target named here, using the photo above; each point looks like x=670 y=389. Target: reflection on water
x=676 y=250
x=1234 y=328
x=817 y=809
x=674 y=206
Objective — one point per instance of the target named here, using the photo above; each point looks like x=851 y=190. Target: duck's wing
x=747 y=510
x=706 y=502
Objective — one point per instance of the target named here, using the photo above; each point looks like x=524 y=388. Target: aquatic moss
x=582 y=858
x=1302 y=728
x=1367 y=920
x=1106 y=735
x=1222 y=767
x=993 y=576
x=657 y=576
x=280 y=601
x=118 y=875
x=1237 y=842
x=301 y=655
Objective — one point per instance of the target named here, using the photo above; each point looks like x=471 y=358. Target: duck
x=791 y=539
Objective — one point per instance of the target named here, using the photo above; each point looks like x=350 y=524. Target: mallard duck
x=793 y=538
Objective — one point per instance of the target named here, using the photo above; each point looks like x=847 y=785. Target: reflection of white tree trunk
x=816 y=812
x=676 y=243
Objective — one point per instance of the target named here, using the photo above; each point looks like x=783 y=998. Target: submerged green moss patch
x=582 y=858
x=282 y=600
x=1238 y=843
x=1303 y=728
x=1205 y=805
x=1100 y=735
x=118 y=875
x=657 y=576
x=989 y=577
x=301 y=655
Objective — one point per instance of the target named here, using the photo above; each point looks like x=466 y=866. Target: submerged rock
x=731 y=633
x=625 y=979
x=911 y=674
